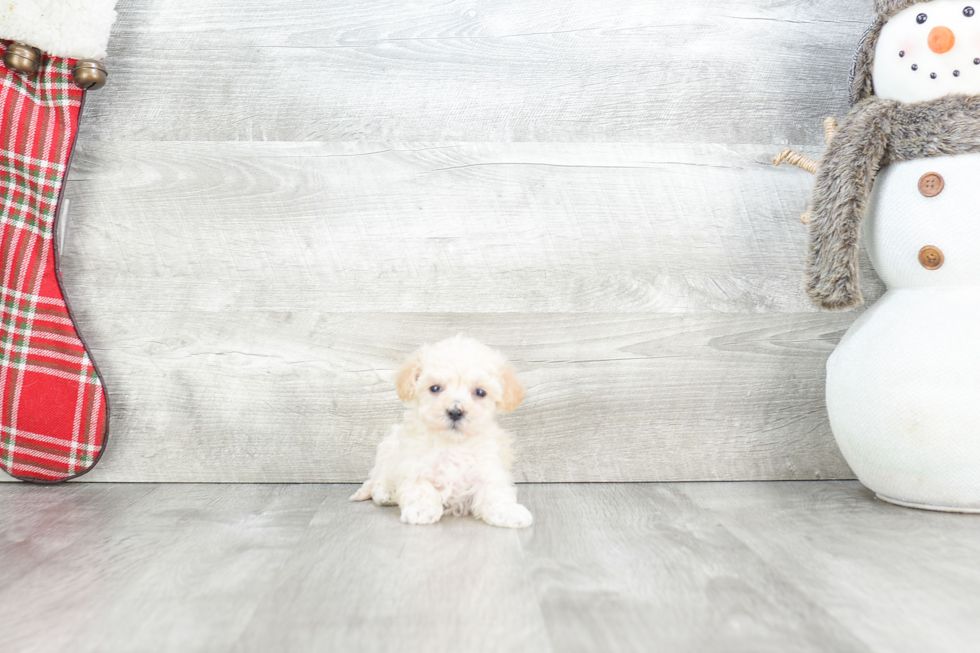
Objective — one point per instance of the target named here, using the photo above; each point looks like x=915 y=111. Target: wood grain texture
x=639 y=568
x=306 y=397
x=273 y=203
x=453 y=228
x=248 y=303
x=873 y=570
x=478 y=70
x=768 y=567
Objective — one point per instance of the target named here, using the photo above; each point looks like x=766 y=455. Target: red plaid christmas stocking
x=53 y=413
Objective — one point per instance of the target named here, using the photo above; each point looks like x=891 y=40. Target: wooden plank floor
x=796 y=566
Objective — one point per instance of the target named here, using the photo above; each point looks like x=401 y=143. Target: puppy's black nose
x=455 y=414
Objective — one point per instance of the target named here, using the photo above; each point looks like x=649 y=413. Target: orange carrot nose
x=941 y=40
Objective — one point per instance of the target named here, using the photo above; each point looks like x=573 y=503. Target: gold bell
x=22 y=58
x=89 y=74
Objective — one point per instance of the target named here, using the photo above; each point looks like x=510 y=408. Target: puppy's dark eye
x=921 y=18
x=480 y=392
x=436 y=389
x=968 y=12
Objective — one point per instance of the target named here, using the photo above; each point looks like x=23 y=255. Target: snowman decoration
x=902 y=173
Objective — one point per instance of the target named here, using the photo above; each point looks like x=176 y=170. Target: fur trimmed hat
x=888 y=8
x=861 y=84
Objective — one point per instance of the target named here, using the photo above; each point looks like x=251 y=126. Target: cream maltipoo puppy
x=448 y=454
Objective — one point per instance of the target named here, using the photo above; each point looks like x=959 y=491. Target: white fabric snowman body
x=903 y=386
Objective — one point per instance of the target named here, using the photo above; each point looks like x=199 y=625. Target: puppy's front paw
x=383 y=496
x=363 y=493
x=512 y=515
x=420 y=514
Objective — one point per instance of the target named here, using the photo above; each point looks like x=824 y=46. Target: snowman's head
x=920 y=51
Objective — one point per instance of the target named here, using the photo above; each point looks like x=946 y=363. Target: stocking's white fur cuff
x=77 y=29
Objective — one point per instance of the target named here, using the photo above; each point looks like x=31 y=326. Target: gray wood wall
x=274 y=202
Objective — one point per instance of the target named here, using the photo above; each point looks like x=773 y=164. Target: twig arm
x=829 y=129
x=795 y=158
x=804 y=162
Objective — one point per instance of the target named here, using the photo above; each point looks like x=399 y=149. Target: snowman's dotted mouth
x=956 y=73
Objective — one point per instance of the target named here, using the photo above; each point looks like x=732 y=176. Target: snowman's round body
x=903 y=386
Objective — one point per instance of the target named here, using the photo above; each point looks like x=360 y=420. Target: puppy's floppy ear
x=513 y=390
x=408 y=376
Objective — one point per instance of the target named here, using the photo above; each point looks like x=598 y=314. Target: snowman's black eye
x=933 y=75
x=921 y=18
x=915 y=66
x=902 y=53
x=976 y=62
x=968 y=12
x=956 y=73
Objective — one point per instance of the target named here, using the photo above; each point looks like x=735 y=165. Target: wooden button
x=931 y=184
x=931 y=257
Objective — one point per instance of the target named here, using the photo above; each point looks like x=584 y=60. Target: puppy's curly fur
x=448 y=454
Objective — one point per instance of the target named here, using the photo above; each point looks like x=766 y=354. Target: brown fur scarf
x=875 y=133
